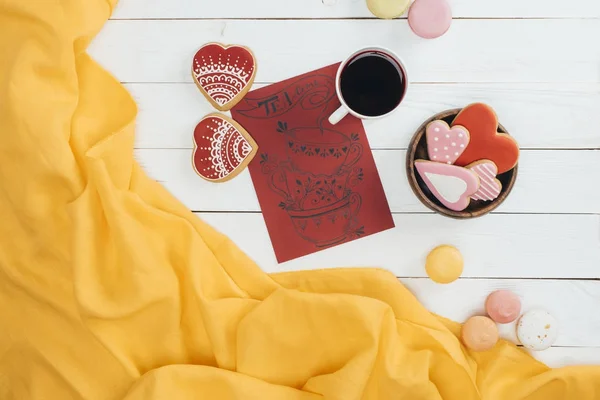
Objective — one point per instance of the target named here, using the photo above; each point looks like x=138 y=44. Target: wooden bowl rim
x=414 y=185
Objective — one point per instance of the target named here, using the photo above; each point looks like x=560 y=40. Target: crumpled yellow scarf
x=111 y=289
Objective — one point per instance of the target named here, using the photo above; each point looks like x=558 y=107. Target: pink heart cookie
x=490 y=187
x=445 y=144
x=453 y=186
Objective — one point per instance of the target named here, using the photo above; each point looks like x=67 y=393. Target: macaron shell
x=480 y=334
x=444 y=264
x=503 y=306
x=388 y=9
x=537 y=330
x=430 y=19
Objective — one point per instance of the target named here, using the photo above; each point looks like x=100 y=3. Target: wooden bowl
x=417 y=150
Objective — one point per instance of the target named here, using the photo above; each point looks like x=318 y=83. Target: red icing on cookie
x=224 y=74
x=222 y=148
x=486 y=142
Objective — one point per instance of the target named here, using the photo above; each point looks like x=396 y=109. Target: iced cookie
x=445 y=144
x=444 y=264
x=479 y=334
x=430 y=19
x=503 y=306
x=224 y=74
x=489 y=186
x=222 y=148
x=388 y=9
x=486 y=142
x=453 y=186
x=537 y=330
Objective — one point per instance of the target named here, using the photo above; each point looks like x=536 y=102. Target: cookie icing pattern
x=451 y=185
x=445 y=144
x=490 y=187
x=221 y=148
x=486 y=142
x=224 y=74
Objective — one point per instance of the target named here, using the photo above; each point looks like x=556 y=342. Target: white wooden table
x=537 y=62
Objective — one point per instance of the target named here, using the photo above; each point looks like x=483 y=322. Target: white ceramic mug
x=381 y=52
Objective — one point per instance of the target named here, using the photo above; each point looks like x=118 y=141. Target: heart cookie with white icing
x=224 y=74
x=222 y=148
x=453 y=186
x=445 y=144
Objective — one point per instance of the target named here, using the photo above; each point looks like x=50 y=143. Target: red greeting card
x=317 y=183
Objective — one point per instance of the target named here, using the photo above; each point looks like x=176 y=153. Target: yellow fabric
x=111 y=289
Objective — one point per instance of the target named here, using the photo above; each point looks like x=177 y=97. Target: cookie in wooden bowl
x=462 y=163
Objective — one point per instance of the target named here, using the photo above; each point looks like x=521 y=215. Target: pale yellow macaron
x=388 y=9
x=480 y=334
x=444 y=264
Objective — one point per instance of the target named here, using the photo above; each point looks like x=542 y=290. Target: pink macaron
x=430 y=19
x=503 y=306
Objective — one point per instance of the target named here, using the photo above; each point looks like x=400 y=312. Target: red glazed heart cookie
x=486 y=142
x=224 y=74
x=222 y=148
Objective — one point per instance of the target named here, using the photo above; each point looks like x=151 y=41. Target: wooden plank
x=498 y=50
x=558 y=357
x=572 y=303
x=343 y=9
x=549 y=181
x=497 y=245
x=169 y=113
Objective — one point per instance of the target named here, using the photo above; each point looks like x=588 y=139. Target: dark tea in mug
x=372 y=84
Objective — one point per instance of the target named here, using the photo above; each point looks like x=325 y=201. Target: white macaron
x=537 y=330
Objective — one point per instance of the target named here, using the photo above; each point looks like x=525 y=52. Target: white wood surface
x=499 y=245
x=474 y=50
x=536 y=191
x=536 y=62
x=138 y=9
x=527 y=110
x=557 y=357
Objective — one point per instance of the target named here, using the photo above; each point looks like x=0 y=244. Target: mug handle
x=338 y=115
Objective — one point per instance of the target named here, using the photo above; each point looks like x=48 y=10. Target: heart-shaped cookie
x=453 y=186
x=486 y=142
x=224 y=74
x=489 y=186
x=445 y=144
x=222 y=148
